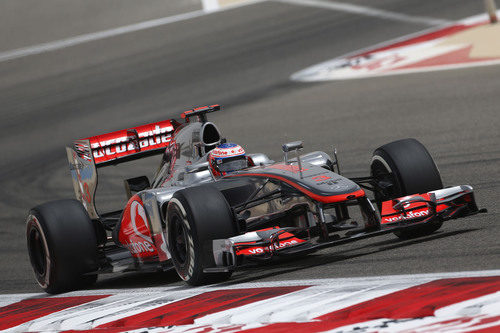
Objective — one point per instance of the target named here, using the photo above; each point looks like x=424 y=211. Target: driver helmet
x=226 y=158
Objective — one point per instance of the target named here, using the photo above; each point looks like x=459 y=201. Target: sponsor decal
x=224 y=153
x=415 y=207
x=464 y=44
x=118 y=144
x=410 y=215
x=134 y=230
x=140 y=247
x=121 y=144
x=82 y=149
x=227 y=152
x=268 y=249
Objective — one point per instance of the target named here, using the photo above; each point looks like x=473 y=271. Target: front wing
x=397 y=214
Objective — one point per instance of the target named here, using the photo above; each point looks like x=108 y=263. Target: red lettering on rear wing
x=131 y=143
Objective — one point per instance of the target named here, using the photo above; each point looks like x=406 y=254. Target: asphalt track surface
x=242 y=58
x=27 y=22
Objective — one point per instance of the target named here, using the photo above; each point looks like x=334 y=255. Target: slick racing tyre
x=195 y=217
x=62 y=246
x=409 y=168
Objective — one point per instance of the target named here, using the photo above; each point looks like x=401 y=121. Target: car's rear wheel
x=408 y=168
x=62 y=246
x=195 y=217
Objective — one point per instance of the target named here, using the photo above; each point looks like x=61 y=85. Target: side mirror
x=296 y=145
x=136 y=184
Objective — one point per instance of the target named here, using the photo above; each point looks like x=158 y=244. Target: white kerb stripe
x=367 y=11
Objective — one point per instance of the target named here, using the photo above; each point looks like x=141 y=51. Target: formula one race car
x=206 y=227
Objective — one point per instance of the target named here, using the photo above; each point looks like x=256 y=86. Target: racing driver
x=227 y=158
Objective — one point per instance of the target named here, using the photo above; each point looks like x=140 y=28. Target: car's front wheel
x=408 y=168
x=195 y=217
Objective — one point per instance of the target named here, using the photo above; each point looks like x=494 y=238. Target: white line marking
x=85 y=38
x=367 y=11
x=210 y=5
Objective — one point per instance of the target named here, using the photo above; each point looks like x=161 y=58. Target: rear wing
x=85 y=156
x=121 y=146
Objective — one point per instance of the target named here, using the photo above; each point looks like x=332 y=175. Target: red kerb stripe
x=416 y=302
x=184 y=312
x=29 y=309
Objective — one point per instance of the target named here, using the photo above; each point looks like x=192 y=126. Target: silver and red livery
x=206 y=227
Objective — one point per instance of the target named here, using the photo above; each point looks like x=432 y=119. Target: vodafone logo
x=221 y=152
x=410 y=215
x=260 y=250
x=140 y=247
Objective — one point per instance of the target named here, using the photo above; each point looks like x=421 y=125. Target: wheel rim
x=179 y=240
x=380 y=173
x=37 y=251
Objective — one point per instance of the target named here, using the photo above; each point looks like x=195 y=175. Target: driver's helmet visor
x=233 y=164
